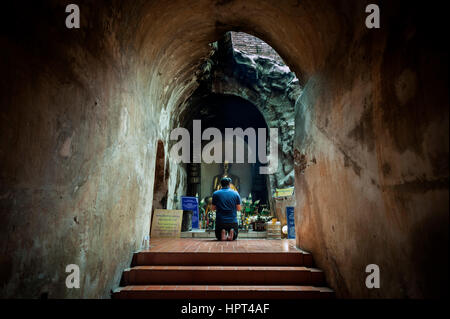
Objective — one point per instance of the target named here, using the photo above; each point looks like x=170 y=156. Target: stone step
x=222 y=292
x=155 y=258
x=196 y=269
x=222 y=275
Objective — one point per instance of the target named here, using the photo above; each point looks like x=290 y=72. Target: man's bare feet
x=231 y=234
x=224 y=235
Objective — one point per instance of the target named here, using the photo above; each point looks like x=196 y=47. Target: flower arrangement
x=254 y=214
x=249 y=207
x=207 y=216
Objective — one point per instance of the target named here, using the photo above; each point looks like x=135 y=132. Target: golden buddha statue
x=235 y=180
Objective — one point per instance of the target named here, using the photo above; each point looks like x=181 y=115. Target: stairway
x=222 y=275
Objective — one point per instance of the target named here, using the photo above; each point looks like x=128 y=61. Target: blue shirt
x=225 y=201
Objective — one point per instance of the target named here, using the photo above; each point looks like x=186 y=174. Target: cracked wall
x=371 y=183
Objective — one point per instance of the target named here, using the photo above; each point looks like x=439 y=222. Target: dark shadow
x=160 y=190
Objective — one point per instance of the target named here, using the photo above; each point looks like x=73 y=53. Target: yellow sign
x=166 y=223
x=284 y=192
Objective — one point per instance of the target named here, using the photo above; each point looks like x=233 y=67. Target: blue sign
x=191 y=203
x=290 y=217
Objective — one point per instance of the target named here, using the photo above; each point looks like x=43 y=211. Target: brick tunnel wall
x=253 y=45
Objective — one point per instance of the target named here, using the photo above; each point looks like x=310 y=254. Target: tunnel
x=86 y=116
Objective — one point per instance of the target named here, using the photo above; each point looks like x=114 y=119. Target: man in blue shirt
x=226 y=202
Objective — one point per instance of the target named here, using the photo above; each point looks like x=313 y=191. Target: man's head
x=225 y=182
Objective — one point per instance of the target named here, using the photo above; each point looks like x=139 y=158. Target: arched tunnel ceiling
x=173 y=37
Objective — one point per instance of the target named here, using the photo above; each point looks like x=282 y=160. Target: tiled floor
x=213 y=245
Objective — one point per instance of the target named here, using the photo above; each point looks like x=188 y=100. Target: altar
x=204 y=179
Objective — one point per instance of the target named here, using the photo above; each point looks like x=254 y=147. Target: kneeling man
x=226 y=202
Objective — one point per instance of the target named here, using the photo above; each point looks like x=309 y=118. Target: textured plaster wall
x=78 y=148
x=371 y=152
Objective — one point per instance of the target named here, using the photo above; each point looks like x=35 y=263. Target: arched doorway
x=226 y=111
x=247 y=85
x=160 y=188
